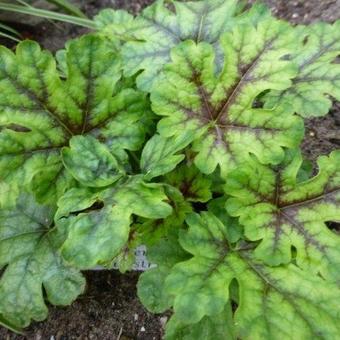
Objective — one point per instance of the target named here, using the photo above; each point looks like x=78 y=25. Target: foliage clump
x=179 y=129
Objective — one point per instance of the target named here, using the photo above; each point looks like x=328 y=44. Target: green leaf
x=160 y=155
x=318 y=78
x=40 y=113
x=91 y=162
x=233 y=228
x=98 y=221
x=194 y=186
x=217 y=111
x=124 y=261
x=30 y=259
x=114 y=24
x=163 y=249
x=218 y=327
x=159 y=28
x=289 y=217
x=150 y=232
x=274 y=302
x=8 y=325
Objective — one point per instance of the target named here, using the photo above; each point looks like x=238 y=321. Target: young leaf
x=91 y=162
x=29 y=250
x=160 y=155
x=216 y=110
x=40 y=113
x=273 y=301
x=150 y=232
x=284 y=214
x=194 y=186
x=233 y=228
x=158 y=29
x=98 y=221
x=319 y=73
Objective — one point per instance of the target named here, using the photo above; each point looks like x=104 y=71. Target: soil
x=110 y=308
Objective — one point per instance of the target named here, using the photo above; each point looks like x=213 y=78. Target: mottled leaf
x=217 y=111
x=98 y=221
x=91 y=162
x=289 y=217
x=115 y=25
x=194 y=186
x=160 y=27
x=30 y=259
x=273 y=302
x=318 y=78
x=150 y=232
x=40 y=113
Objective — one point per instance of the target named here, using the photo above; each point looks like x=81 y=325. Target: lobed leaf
x=30 y=259
x=150 y=232
x=98 y=220
x=217 y=110
x=40 y=113
x=160 y=27
x=290 y=217
x=318 y=78
x=273 y=302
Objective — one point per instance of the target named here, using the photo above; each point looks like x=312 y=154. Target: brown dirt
x=110 y=308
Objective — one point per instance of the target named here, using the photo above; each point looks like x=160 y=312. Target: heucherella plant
x=178 y=129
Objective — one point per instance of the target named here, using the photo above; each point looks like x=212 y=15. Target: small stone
x=163 y=320
x=142 y=329
x=135 y=317
x=295 y=15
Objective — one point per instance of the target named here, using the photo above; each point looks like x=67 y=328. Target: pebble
x=163 y=320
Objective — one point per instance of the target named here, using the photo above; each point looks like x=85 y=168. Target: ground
x=110 y=308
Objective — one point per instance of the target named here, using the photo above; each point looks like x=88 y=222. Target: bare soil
x=110 y=308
